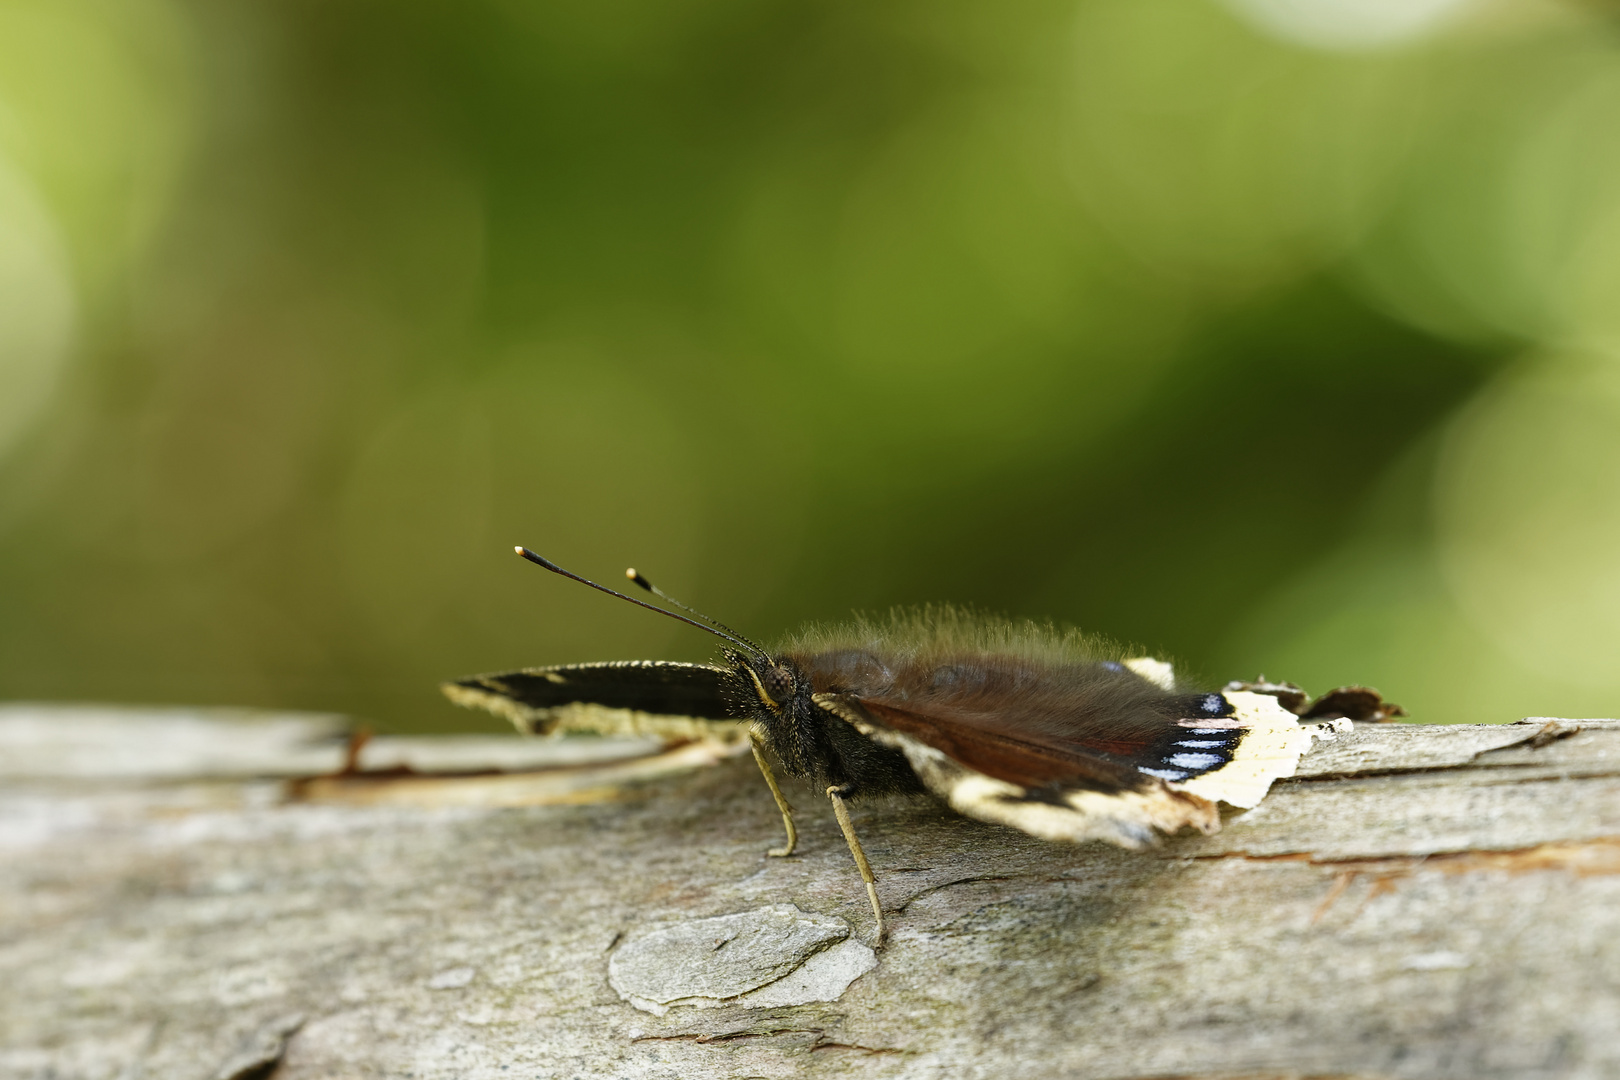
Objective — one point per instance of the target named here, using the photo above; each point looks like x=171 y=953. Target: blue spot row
x=1183 y=758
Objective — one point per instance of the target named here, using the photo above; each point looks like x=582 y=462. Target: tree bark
x=179 y=898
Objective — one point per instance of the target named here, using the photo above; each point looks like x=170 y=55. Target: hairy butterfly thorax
x=788 y=701
x=1014 y=723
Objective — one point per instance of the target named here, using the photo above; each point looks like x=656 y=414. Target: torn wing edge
x=1272 y=744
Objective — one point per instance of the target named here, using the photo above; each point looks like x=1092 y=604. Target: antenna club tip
x=520 y=550
x=630 y=572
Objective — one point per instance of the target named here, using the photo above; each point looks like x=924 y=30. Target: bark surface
x=179 y=899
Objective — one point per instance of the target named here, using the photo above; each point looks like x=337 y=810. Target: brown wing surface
x=1034 y=760
x=1091 y=725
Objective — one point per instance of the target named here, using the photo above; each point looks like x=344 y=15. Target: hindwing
x=1080 y=775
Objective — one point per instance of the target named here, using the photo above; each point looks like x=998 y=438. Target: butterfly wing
x=622 y=697
x=1086 y=757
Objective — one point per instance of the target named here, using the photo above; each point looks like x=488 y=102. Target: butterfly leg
x=781 y=800
x=836 y=793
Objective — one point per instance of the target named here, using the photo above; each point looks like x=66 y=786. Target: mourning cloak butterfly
x=1012 y=723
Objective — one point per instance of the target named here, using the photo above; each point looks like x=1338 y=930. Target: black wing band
x=535 y=699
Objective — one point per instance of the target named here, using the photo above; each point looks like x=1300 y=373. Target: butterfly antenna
x=634 y=575
x=735 y=639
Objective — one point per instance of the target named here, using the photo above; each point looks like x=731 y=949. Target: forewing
x=621 y=697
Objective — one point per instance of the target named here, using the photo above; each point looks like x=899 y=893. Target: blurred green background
x=1278 y=336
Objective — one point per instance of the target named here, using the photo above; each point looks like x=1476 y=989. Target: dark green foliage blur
x=1265 y=344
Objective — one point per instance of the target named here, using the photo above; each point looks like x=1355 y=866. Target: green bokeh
x=1271 y=354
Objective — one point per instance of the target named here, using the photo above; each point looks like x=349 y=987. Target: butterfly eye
x=774 y=685
x=779 y=683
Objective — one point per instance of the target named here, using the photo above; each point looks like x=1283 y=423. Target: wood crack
x=723 y=1037
x=930 y=890
x=729 y=1036
x=1600 y=855
x=1485 y=772
x=856 y=1047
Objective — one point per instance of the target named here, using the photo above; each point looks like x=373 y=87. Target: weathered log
x=175 y=902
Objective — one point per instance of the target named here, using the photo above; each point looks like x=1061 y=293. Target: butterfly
x=1008 y=722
